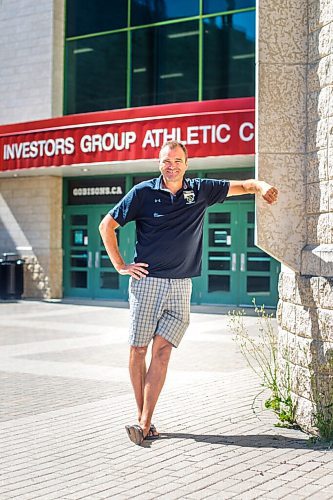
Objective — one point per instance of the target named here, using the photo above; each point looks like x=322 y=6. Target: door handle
x=89 y=260
x=233 y=262
x=242 y=262
x=96 y=260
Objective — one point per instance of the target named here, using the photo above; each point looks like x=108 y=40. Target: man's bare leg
x=137 y=369
x=154 y=381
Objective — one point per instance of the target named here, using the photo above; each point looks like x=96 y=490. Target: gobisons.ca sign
x=213 y=132
x=95 y=191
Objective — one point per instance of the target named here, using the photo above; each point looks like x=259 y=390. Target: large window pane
x=94 y=16
x=79 y=259
x=212 y=6
x=219 y=261
x=79 y=279
x=219 y=218
x=148 y=11
x=109 y=280
x=229 y=51
x=79 y=220
x=250 y=237
x=164 y=64
x=144 y=63
x=96 y=74
x=258 y=261
x=258 y=284
x=218 y=283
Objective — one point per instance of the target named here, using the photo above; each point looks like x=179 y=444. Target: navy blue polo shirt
x=170 y=227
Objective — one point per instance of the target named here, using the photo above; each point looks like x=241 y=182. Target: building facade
x=157 y=66
x=108 y=83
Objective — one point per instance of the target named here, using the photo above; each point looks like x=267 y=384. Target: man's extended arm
x=252 y=186
x=107 y=229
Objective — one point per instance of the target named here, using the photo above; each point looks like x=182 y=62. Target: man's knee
x=162 y=352
x=138 y=352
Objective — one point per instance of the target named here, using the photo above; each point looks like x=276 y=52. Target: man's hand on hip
x=136 y=270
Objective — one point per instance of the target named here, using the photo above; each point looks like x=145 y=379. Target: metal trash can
x=11 y=276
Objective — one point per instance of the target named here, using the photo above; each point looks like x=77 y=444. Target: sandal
x=151 y=436
x=135 y=433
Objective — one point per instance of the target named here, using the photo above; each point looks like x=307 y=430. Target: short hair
x=174 y=145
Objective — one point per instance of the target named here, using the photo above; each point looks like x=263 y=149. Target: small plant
x=323 y=399
x=324 y=423
x=261 y=354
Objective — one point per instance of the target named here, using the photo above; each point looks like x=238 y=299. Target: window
x=152 y=11
x=164 y=64
x=94 y=16
x=146 y=52
x=229 y=52
x=256 y=284
x=218 y=283
x=96 y=73
x=212 y=6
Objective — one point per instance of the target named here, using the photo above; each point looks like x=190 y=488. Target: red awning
x=209 y=128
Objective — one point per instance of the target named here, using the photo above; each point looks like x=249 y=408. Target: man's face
x=173 y=164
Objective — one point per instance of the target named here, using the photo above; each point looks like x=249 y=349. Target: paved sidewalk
x=65 y=398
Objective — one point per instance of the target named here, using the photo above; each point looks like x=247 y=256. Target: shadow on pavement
x=252 y=441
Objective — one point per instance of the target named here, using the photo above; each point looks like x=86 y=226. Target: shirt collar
x=159 y=184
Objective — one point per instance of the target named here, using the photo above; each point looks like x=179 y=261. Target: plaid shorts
x=159 y=306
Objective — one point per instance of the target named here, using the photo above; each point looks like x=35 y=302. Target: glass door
x=108 y=283
x=77 y=253
x=234 y=270
x=258 y=271
x=219 y=280
x=88 y=271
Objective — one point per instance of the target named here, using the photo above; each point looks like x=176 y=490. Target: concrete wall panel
x=32 y=62
x=31 y=223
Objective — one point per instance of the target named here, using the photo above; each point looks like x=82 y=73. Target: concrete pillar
x=31 y=225
x=31 y=88
x=295 y=152
x=31 y=59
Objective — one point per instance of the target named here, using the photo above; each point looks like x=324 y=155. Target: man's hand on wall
x=268 y=192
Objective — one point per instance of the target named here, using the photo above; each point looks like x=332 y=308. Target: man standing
x=169 y=213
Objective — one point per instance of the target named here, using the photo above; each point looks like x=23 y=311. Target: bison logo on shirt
x=189 y=197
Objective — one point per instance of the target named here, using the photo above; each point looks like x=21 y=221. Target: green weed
x=261 y=354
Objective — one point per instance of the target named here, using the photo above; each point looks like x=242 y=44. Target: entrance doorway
x=234 y=270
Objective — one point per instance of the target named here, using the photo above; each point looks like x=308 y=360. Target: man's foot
x=149 y=431
x=137 y=435
x=152 y=433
